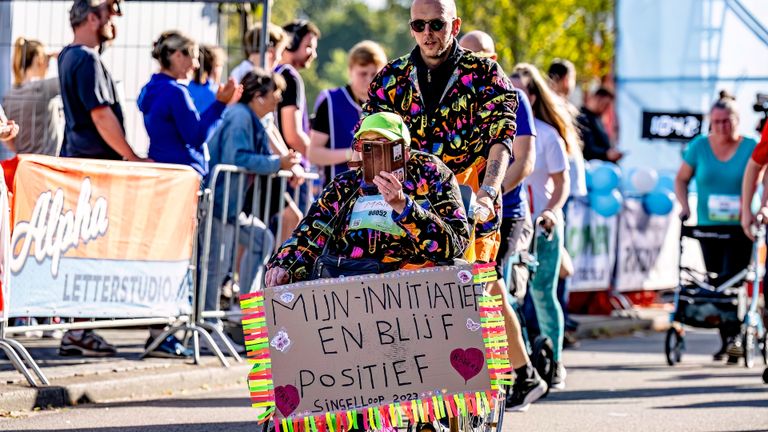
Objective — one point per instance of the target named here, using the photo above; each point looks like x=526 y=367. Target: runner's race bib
x=372 y=212
x=724 y=208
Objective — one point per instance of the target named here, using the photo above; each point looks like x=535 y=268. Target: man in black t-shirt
x=94 y=119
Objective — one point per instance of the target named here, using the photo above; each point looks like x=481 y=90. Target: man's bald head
x=479 y=42
x=448 y=7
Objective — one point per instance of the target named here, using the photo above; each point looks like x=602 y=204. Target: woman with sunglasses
x=33 y=101
x=417 y=221
x=716 y=162
x=177 y=131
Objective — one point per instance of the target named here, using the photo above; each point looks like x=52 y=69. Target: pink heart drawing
x=287 y=399
x=467 y=363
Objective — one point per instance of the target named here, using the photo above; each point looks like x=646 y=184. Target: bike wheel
x=765 y=376
x=673 y=346
x=762 y=346
x=543 y=360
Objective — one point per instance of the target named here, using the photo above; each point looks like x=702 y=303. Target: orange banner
x=96 y=238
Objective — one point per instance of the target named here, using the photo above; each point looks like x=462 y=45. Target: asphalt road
x=620 y=384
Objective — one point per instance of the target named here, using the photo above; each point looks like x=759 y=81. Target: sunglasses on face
x=435 y=25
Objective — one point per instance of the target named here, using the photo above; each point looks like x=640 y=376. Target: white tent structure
x=675 y=56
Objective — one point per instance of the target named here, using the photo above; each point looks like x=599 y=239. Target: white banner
x=649 y=248
x=591 y=241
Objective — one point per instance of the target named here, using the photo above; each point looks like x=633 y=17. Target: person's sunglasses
x=435 y=25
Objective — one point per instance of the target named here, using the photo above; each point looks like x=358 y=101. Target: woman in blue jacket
x=177 y=131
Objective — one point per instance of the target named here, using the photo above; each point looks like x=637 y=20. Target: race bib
x=372 y=212
x=724 y=208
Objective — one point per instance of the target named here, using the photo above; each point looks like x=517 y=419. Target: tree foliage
x=525 y=31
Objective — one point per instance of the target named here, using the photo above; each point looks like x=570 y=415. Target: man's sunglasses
x=435 y=25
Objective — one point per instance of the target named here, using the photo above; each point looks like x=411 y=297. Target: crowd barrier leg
x=21 y=353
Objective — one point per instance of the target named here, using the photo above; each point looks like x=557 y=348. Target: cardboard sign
x=403 y=345
x=95 y=238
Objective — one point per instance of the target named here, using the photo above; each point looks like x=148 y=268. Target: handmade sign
x=402 y=346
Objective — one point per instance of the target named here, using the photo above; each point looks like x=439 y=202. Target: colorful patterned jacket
x=477 y=111
x=433 y=224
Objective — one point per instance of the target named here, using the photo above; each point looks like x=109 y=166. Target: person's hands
x=614 y=155
x=391 y=189
x=548 y=219
x=287 y=161
x=276 y=276
x=685 y=213
x=134 y=158
x=484 y=210
x=229 y=92
x=747 y=221
x=9 y=130
x=298 y=176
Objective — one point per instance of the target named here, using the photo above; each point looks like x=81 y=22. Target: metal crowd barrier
x=232 y=178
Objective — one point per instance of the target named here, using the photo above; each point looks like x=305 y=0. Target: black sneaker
x=88 y=344
x=524 y=393
x=558 y=378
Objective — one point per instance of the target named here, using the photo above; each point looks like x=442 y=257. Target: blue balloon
x=604 y=177
x=666 y=183
x=606 y=204
x=658 y=203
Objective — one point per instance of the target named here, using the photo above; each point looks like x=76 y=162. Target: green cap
x=387 y=124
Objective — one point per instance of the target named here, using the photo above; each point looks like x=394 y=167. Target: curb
x=612 y=326
x=131 y=385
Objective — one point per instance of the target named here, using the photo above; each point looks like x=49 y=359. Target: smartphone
x=386 y=156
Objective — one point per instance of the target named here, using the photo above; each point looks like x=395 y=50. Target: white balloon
x=644 y=180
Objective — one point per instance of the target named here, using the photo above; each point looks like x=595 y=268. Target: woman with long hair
x=548 y=186
x=33 y=101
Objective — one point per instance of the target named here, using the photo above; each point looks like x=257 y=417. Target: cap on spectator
x=81 y=9
x=387 y=124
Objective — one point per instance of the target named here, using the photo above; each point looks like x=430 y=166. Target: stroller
x=732 y=304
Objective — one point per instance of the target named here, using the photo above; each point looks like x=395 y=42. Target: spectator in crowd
x=408 y=235
x=207 y=78
x=562 y=80
x=292 y=114
x=92 y=112
x=241 y=140
x=470 y=128
x=597 y=144
x=93 y=121
x=251 y=46
x=549 y=185
x=516 y=232
x=177 y=132
x=716 y=162
x=34 y=101
x=337 y=111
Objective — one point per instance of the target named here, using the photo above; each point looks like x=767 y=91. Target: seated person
x=241 y=140
x=424 y=223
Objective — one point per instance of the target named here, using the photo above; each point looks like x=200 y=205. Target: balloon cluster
x=608 y=187
x=603 y=181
